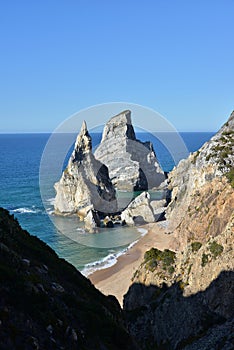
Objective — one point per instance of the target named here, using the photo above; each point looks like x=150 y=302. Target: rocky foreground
x=45 y=303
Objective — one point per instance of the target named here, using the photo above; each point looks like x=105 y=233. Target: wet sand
x=115 y=280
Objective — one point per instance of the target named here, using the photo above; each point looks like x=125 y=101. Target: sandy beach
x=116 y=279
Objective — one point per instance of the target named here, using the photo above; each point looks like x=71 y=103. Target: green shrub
x=230 y=176
x=171 y=269
x=218 y=148
x=215 y=249
x=155 y=256
x=228 y=133
x=196 y=246
x=204 y=259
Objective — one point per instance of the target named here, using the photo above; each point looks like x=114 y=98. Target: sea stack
x=132 y=164
x=85 y=183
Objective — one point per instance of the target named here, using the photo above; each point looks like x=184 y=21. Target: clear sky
x=60 y=56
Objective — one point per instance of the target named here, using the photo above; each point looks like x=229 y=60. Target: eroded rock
x=85 y=182
x=132 y=164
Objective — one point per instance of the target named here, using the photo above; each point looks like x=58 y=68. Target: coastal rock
x=92 y=221
x=139 y=210
x=202 y=199
x=132 y=164
x=85 y=182
x=107 y=222
x=187 y=290
x=192 y=292
x=158 y=208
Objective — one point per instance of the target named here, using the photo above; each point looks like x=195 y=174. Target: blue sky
x=58 y=57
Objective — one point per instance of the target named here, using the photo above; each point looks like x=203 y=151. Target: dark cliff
x=45 y=303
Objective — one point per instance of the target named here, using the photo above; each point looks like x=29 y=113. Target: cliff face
x=182 y=298
x=45 y=303
x=202 y=198
x=132 y=164
x=85 y=183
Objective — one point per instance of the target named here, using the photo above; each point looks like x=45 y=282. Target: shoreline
x=91 y=268
x=116 y=279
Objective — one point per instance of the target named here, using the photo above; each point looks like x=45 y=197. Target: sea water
x=20 y=156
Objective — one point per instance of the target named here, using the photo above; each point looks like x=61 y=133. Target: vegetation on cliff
x=186 y=293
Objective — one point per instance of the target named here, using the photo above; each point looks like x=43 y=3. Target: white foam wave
x=25 y=210
x=80 y=230
x=51 y=200
x=50 y=211
x=108 y=261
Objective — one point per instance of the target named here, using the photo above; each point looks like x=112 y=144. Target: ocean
x=20 y=159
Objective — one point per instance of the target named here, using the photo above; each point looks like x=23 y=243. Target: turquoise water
x=20 y=156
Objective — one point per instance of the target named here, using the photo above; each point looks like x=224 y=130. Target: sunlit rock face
x=85 y=183
x=132 y=164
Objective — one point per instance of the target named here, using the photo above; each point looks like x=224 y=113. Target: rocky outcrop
x=184 y=300
x=202 y=189
x=85 y=183
x=186 y=292
x=165 y=319
x=45 y=303
x=142 y=210
x=132 y=164
x=194 y=267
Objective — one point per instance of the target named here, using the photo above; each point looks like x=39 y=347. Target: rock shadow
x=163 y=318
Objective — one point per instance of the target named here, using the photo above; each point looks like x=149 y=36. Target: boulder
x=132 y=164
x=92 y=221
x=84 y=182
x=159 y=208
x=139 y=211
x=107 y=222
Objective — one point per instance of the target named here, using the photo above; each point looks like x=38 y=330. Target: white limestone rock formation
x=141 y=211
x=85 y=183
x=132 y=164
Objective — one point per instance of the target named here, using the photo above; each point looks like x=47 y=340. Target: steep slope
x=202 y=198
x=45 y=303
x=183 y=298
x=85 y=183
x=132 y=164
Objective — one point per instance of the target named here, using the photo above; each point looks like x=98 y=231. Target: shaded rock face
x=45 y=303
x=85 y=182
x=132 y=164
x=162 y=318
